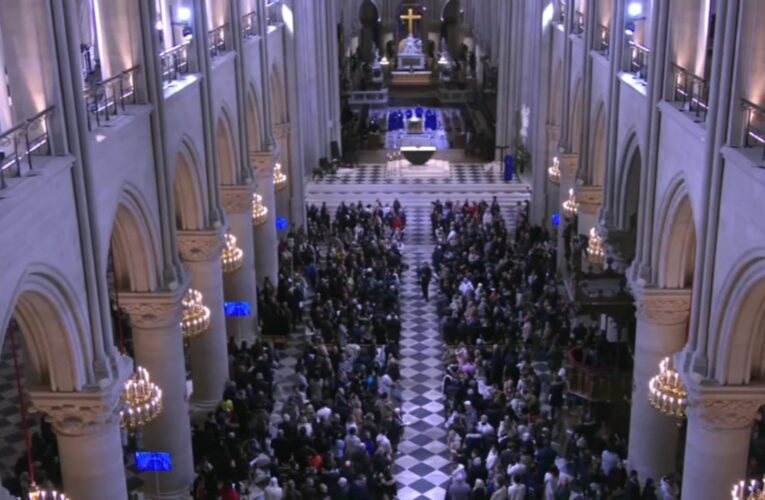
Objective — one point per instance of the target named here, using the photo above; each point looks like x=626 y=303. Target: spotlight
x=635 y=9
x=184 y=14
x=629 y=29
x=158 y=25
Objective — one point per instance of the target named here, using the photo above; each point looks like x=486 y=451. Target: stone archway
x=597 y=169
x=451 y=30
x=369 y=17
x=677 y=240
x=226 y=150
x=187 y=191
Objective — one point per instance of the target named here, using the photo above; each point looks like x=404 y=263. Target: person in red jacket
x=230 y=493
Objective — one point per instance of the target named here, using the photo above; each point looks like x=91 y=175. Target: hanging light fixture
x=232 y=256
x=196 y=316
x=35 y=493
x=553 y=173
x=595 y=251
x=259 y=211
x=141 y=398
x=666 y=392
x=571 y=206
x=280 y=179
x=753 y=490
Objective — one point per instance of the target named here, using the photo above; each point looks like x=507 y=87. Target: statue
x=412 y=46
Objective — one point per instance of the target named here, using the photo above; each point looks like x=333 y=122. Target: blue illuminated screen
x=556 y=219
x=237 y=309
x=153 y=461
x=281 y=223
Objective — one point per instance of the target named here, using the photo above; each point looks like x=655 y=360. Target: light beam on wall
x=184 y=14
x=635 y=9
x=288 y=18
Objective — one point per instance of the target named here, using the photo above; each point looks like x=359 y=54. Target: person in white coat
x=516 y=490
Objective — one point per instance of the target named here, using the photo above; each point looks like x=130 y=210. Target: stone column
x=155 y=319
x=717 y=440
x=662 y=321
x=87 y=427
x=200 y=252
x=568 y=166
x=266 y=242
x=241 y=284
x=282 y=197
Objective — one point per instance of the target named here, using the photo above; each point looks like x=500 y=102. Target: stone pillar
x=662 y=321
x=87 y=427
x=717 y=440
x=568 y=166
x=200 y=252
x=266 y=242
x=155 y=319
x=590 y=199
x=282 y=197
x=241 y=284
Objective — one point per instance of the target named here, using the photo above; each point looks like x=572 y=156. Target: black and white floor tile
x=377 y=174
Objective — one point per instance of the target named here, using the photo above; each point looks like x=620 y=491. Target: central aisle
x=422 y=465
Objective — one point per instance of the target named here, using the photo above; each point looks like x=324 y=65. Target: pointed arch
x=253 y=120
x=278 y=104
x=57 y=347
x=740 y=321
x=576 y=117
x=597 y=168
x=187 y=189
x=556 y=93
x=134 y=244
x=628 y=183
x=676 y=250
x=225 y=148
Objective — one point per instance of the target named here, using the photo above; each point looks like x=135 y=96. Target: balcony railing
x=250 y=26
x=692 y=91
x=639 y=60
x=597 y=383
x=175 y=62
x=217 y=40
x=603 y=40
x=20 y=143
x=274 y=12
x=577 y=25
x=108 y=98
x=754 y=128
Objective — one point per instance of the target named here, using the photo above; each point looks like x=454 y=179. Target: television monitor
x=153 y=461
x=281 y=223
x=237 y=309
x=556 y=219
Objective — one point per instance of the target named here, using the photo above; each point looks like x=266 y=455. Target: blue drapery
x=509 y=168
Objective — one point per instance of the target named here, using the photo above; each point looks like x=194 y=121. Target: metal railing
x=273 y=12
x=639 y=60
x=217 y=40
x=250 y=27
x=691 y=90
x=107 y=98
x=603 y=39
x=20 y=143
x=577 y=24
x=754 y=128
x=175 y=61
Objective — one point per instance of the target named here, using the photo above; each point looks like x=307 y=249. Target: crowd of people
x=507 y=324
x=340 y=423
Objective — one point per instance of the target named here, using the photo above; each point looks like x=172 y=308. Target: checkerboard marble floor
x=377 y=174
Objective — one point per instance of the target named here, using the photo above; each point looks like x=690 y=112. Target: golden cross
x=410 y=18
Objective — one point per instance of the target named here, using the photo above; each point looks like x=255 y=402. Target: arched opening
x=451 y=18
x=631 y=193
x=556 y=92
x=253 y=126
x=679 y=246
x=187 y=192
x=597 y=171
x=42 y=330
x=225 y=151
x=369 y=17
x=576 y=120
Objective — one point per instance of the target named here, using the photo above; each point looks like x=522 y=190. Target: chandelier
x=259 y=211
x=553 y=173
x=666 y=392
x=749 y=491
x=196 y=316
x=280 y=179
x=232 y=256
x=595 y=252
x=35 y=493
x=571 y=206
x=143 y=400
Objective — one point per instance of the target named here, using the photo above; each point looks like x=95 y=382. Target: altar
x=411 y=61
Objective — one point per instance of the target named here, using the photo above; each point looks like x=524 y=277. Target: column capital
x=87 y=411
x=726 y=407
x=263 y=162
x=590 y=198
x=201 y=246
x=154 y=309
x=662 y=306
x=237 y=199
